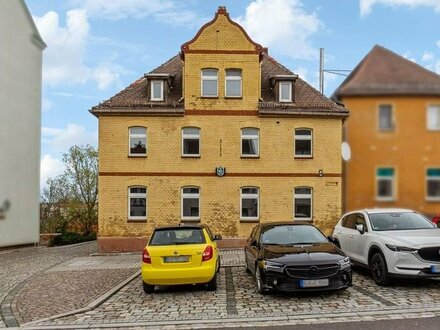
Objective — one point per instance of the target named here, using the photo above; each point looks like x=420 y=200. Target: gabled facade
x=394 y=134
x=220 y=134
x=20 y=120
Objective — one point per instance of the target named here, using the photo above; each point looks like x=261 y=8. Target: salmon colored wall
x=410 y=148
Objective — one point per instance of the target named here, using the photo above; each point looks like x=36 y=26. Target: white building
x=21 y=50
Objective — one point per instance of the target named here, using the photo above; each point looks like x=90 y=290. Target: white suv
x=391 y=242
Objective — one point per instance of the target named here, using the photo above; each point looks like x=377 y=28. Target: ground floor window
x=433 y=184
x=249 y=201
x=302 y=200
x=190 y=203
x=385 y=177
x=137 y=203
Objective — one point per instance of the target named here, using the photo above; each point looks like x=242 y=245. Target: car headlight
x=273 y=266
x=344 y=263
x=397 y=248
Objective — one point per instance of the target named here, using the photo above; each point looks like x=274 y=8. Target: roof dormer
x=283 y=87
x=158 y=86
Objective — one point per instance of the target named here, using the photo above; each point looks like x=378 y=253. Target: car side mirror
x=360 y=228
x=254 y=242
x=217 y=237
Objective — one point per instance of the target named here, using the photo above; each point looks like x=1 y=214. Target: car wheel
x=147 y=287
x=379 y=270
x=212 y=285
x=259 y=282
x=246 y=265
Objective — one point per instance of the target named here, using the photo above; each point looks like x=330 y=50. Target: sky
x=95 y=48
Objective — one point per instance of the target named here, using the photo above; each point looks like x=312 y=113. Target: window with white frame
x=433 y=118
x=137 y=203
x=137 y=141
x=433 y=184
x=190 y=141
x=233 y=83
x=157 y=90
x=190 y=203
x=249 y=203
x=385 y=177
x=303 y=143
x=209 y=83
x=285 y=92
x=302 y=203
x=250 y=142
x=386 y=117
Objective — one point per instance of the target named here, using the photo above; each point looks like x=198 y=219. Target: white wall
x=20 y=123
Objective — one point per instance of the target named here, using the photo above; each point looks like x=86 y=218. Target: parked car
x=176 y=255
x=391 y=242
x=295 y=256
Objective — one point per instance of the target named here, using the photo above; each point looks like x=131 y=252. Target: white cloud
x=50 y=167
x=283 y=26
x=162 y=10
x=408 y=56
x=64 y=58
x=367 y=5
x=61 y=139
x=427 y=56
x=438 y=44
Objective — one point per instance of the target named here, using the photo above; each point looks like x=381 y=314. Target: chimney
x=266 y=50
x=222 y=10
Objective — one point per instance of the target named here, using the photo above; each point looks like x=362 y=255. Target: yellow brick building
x=220 y=134
x=394 y=134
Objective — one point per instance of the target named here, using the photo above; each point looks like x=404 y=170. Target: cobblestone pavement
x=236 y=303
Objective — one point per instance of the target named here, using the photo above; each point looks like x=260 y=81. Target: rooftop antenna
x=332 y=71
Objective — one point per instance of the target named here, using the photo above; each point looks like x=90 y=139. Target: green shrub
x=67 y=238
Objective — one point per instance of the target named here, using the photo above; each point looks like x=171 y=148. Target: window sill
x=233 y=97
x=144 y=220
x=135 y=156
x=190 y=220
x=432 y=199
x=251 y=157
x=209 y=97
x=386 y=130
x=303 y=219
x=249 y=220
x=303 y=157
x=385 y=199
x=191 y=156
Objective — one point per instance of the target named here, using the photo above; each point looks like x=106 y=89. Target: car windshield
x=399 y=221
x=173 y=236
x=292 y=234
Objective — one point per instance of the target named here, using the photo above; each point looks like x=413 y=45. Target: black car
x=295 y=256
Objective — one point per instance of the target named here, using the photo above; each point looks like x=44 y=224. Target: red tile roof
x=383 y=72
x=134 y=98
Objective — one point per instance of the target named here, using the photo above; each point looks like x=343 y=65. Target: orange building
x=393 y=132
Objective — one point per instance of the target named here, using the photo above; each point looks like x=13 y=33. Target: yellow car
x=176 y=255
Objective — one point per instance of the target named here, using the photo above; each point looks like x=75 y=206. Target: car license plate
x=313 y=283
x=176 y=259
x=435 y=269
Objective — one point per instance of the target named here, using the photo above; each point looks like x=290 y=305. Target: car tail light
x=146 y=257
x=208 y=253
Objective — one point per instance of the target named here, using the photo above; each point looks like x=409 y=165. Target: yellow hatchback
x=176 y=255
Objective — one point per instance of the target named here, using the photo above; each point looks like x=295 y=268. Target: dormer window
x=285 y=91
x=283 y=87
x=209 y=83
x=157 y=90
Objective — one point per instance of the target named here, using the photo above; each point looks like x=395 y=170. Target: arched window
x=209 y=83
x=303 y=143
x=249 y=203
x=190 y=141
x=190 y=203
x=233 y=83
x=250 y=142
x=137 y=203
x=302 y=203
x=137 y=141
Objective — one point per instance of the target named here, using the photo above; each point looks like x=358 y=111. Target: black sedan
x=295 y=256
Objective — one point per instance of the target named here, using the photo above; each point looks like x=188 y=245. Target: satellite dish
x=346 y=151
